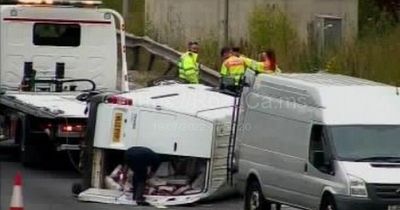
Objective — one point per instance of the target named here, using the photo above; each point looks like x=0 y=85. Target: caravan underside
x=179 y=180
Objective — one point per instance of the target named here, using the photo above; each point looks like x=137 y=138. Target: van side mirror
x=322 y=163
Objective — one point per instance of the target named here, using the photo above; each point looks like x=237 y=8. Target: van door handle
x=305 y=167
x=175 y=146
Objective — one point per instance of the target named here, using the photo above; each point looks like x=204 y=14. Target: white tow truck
x=51 y=52
x=189 y=125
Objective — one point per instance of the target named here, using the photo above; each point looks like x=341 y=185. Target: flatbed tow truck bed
x=44 y=105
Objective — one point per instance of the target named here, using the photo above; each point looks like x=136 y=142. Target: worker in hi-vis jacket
x=188 y=65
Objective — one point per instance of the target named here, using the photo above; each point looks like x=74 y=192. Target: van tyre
x=328 y=204
x=254 y=198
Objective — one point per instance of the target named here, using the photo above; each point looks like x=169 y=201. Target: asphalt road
x=50 y=189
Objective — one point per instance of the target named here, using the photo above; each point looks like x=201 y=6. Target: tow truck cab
x=82 y=39
x=49 y=54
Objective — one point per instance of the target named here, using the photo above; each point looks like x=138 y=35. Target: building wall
x=177 y=21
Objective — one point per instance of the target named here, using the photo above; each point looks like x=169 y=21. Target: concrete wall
x=177 y=21
x=303 y=12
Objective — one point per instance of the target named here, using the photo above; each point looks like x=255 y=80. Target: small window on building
x=61 y=35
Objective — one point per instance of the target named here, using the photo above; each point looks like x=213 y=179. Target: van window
x=62 y=35
x=319 y=152
x=366 y=142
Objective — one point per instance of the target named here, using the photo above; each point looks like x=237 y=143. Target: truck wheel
x=254 y=198
x=328 y=204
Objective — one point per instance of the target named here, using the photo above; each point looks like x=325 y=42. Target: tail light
x=118 y=100
x=71 y=130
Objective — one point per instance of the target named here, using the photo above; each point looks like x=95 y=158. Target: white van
x=320 y=141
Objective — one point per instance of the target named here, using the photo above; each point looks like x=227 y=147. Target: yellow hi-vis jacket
x=189 y=68
x=233 y=67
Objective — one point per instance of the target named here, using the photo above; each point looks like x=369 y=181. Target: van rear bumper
x=351 y=203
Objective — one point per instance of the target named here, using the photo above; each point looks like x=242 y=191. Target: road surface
x=45 y=189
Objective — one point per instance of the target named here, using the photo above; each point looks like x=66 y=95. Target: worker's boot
x=142 y=203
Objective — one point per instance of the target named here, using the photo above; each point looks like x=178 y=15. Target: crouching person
x=143 y=162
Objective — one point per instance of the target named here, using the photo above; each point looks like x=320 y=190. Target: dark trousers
x=140 y=159
x=139 y=183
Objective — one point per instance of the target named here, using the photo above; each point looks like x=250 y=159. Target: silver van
x=319 y=141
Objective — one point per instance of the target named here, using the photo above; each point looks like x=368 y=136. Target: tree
x=390 y=6
x=378 y=16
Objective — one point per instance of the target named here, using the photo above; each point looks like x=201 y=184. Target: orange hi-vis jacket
x=233 y=67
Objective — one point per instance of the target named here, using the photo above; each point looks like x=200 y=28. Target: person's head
x=193 y=47
x=269 y=55
x=226 y=52
x=236 y=51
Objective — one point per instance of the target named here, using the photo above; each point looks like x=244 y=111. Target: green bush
x=209 y=54
x=269 y=27
x=135 y=20
x=372 y=57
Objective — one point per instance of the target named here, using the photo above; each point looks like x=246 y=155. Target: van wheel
x=254 y=199
x=328 y=204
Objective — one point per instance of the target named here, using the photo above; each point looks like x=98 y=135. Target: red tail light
x=71 y=128
x=119 y=100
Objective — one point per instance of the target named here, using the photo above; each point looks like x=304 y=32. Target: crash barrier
x=208 y=76
x=17 y=199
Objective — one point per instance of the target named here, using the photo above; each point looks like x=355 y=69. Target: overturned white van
x=189 y=125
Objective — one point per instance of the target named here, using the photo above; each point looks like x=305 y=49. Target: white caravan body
x=175 y=120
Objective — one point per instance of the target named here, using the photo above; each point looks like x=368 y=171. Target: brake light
x=71 y=128
x=118 y=100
